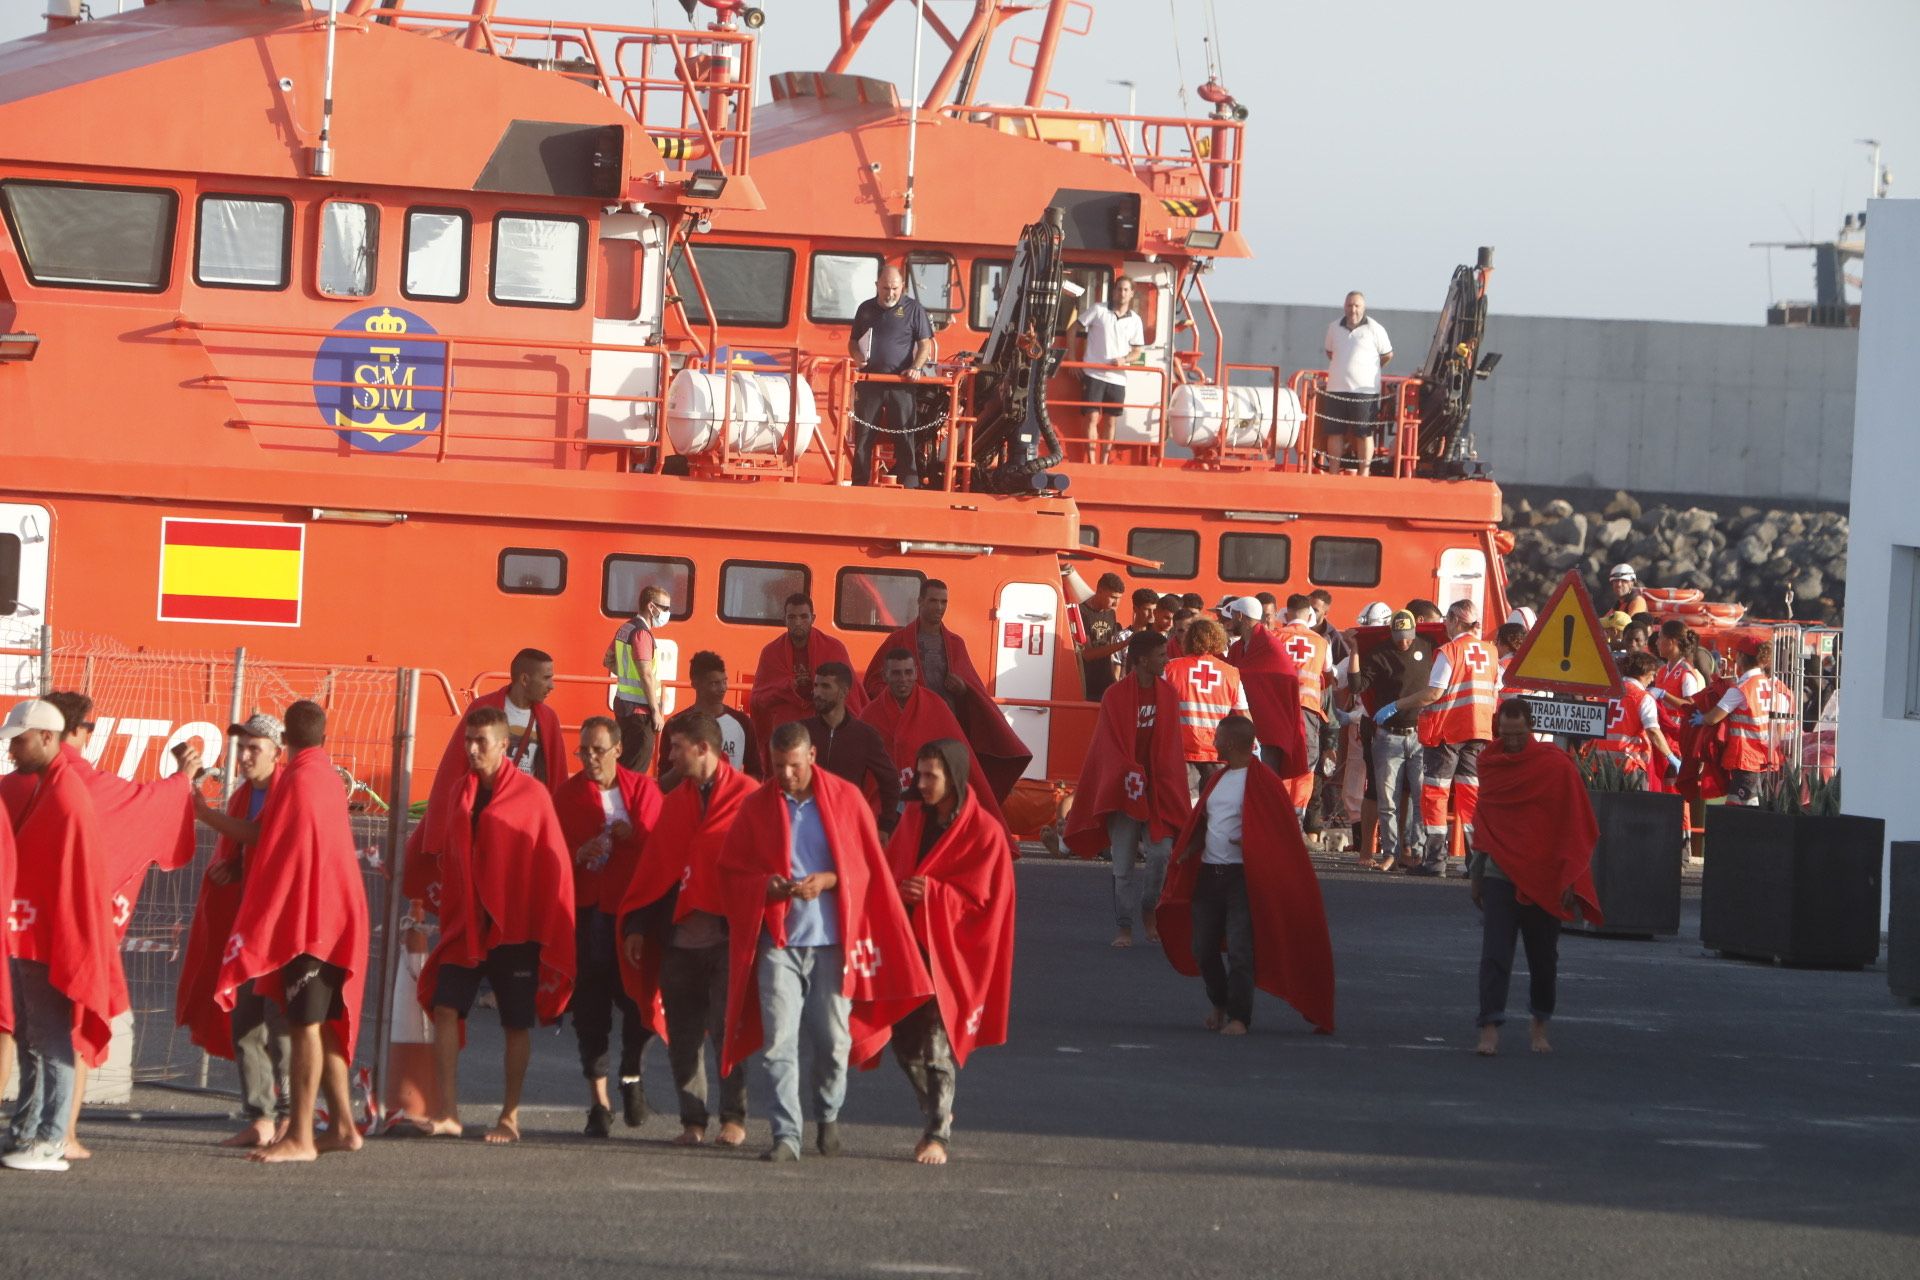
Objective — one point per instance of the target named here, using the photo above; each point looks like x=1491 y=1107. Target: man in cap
x=1393 y=673
x=1627 y=597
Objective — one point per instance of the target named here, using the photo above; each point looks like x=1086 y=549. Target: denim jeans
x=1136 y=889
x=1222 y=914
x=43 y=1031
x=693 y=989
x=597 y=993
x=1397 y=762
x=801 y=1000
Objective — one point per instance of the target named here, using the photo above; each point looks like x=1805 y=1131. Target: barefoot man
x=674 y=925
x=954 y=866
x=254 y=1034
x=506 y=914
x=1244 y=885
x=1533 y=838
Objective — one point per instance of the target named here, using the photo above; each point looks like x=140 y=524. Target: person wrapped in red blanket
x=1132 y=793
x=673 y=925
x=1533 y=839
x=607 y=814
x=1272 y=684
x=783 y=678
x=536 y=746
x=300 y=936
x=909 y=715
x=955 y=871
x=820 y=943
x=506 y=913
x=67 y=985
x=947 y=669
x=1243 y=884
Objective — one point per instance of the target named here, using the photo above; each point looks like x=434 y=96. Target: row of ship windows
x=754 y=592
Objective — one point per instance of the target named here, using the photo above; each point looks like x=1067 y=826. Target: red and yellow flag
x=231 y=571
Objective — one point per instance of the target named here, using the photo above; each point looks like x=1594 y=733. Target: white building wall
x=1879 y=737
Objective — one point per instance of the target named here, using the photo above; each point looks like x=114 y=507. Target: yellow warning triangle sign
x=1566 y=651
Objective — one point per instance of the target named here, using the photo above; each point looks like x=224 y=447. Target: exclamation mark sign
x=1566 y=643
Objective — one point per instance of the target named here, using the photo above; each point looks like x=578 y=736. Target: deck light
x=1197 y=239
x=345 y=516
x=1263 y=517
x=908 y=548
x=707 y=184
x=19 y=346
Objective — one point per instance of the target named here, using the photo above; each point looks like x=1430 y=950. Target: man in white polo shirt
x=1357 y=350
x=1114 y=335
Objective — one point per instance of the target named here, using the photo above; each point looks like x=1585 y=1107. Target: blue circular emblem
x=391 y=398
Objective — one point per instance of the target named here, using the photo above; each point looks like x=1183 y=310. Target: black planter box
x=1795 y=889
x=1636 y=863
x=1903 y=920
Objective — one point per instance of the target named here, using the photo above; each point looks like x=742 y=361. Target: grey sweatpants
x=261 y=1052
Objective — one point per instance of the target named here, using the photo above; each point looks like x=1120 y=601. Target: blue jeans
x=43 y=1030
x=1139 y=869
x=800 y=998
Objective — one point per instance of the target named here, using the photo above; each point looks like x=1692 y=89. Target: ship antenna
x=323 y=154
x=913 y=117
x=1179 y=67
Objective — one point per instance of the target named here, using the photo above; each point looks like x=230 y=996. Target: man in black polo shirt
x=900 y=342
x=1394 y=672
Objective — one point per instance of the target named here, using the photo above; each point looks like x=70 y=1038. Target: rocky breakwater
x=1744 y=555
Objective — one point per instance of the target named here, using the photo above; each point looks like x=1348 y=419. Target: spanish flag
x=231 y=571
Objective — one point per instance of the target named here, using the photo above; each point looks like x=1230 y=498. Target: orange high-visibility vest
x=1750 y=729
x=1208 y=688
x=1314 y=658
x=1626 y=736
x=1464 y=710
x=1673 y=679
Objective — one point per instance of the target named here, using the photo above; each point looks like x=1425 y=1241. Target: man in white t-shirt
x=1113 y=335
x=1357 y=350
x=1222 y=913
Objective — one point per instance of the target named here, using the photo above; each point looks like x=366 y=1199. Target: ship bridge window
x=930 y=279
x=1177 y=550
x=625 y=577
x=756 y=591
x=244 y=242
x=748 y=286
x=1344 y=562
x=436 y=254
x=839 y=283
x=989 y=280
x=1265 y=558
x=530 y=571
x=876 y=599
x=539 y=262
x=78 y=236
x=1089 y=535
x=349 y=248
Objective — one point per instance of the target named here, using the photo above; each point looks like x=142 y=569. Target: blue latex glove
x=1386 y=713
x=1697 y=719
x=1342 y=717
x=1673 y=766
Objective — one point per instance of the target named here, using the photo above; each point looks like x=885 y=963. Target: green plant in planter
x=1791 y=790
x=1601 y=771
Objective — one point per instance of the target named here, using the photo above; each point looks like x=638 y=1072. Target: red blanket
x=509 y=882
x=304 y=894
x=430 y=837
x=1002 y=755
x=194 y=1006
x=582 y=817
x=1536 y=822
x=965 y=924
x=884 y=976
x=1272 y=682
x=1111 y=780
x=1292 y=954
x=926 y=718
x=1702 y=776
x=776 y=697
x=7 y=860
x=59 y=913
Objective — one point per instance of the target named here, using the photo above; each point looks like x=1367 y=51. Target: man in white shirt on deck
x=1113 y=335
x=1357 y=350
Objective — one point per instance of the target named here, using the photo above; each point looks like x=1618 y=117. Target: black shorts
x=513 y=971
x=1101 y=396
x=1349 y=413
x=312 y=989
x=1743 y=785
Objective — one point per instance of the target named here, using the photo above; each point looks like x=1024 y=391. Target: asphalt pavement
x=1701 y=1118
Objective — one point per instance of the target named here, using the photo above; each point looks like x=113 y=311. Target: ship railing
x=1148 y=451
x=692 y=91
x=1184 y=162
x=1396 y=424
x=951 y=453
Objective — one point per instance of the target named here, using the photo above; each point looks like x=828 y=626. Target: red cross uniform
x=1466 y=671
x=1209 y=690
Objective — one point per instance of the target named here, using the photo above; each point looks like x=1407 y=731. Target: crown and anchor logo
x=378 y=383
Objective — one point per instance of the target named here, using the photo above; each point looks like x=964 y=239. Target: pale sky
x=1620 y=156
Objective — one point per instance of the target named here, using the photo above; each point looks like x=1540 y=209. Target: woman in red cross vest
x=1748 y=708
x=1209 y=690
x=1456 y=723
x=1313 y=658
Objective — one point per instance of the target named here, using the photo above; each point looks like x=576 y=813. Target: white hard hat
x=1524 y=616
x=1622 y=571
x=1377 y=614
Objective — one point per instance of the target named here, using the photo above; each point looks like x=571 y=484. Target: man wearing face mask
x=631 y=658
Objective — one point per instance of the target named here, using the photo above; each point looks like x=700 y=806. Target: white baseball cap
x=1622 y=571
x=1246 y=606
x=32 y=714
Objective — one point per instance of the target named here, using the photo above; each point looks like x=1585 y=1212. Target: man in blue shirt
x=899 y=340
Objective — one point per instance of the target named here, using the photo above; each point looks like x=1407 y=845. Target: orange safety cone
x=412 y=1086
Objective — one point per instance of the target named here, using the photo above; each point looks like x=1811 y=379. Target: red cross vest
x=1207 y=688
x=1464 y=710
x=1750 y=729
x=1313 y=657
x=1672 y=679
x=1626 y=736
